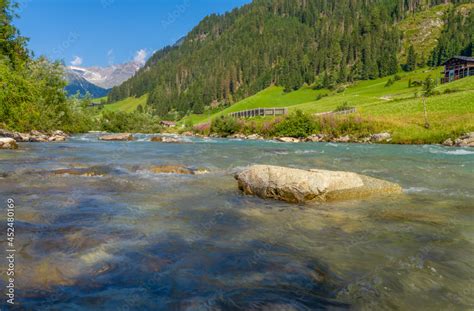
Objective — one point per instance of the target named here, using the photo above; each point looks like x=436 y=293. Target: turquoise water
x=127 y=239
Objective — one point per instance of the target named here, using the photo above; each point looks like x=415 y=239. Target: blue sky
x=104 y=32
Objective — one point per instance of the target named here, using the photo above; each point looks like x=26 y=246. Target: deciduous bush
x=298 y=124
x=224 y=126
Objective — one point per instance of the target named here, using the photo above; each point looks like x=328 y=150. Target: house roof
x=464 y=58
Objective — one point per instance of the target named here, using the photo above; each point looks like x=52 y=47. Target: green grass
x=98 y=100
x=127 y=105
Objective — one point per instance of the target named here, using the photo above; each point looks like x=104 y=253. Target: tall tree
x=411 y=59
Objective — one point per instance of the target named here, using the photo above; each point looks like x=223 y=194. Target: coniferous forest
x=287 y=43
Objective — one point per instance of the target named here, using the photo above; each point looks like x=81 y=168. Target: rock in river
x=288 y=140
x=8 y=143
x=166 y=140
x=117 y=137
x=172 y=169
x=300 y=186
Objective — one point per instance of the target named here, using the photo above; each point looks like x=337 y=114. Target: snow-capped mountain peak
x=107 y=77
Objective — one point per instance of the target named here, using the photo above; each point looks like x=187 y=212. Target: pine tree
x=411 y=59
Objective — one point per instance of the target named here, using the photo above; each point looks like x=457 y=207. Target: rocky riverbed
x=146 y=226
x=34 y=136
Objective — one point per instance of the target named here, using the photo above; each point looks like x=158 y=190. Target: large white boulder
x=299 y=186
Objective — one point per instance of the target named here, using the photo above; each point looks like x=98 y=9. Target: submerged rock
x=300 y=186
x=172 y=169
x=8 y=143
x=166 y=140
x=117 y=137
x=85 y=172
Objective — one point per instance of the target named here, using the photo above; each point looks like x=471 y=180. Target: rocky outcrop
x=172 y=169
x=300 y=186
x=8 y=143
x=117 y=137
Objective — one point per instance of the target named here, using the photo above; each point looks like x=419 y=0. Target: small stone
x=448 y=142
x=343 y=139
x=381 y=137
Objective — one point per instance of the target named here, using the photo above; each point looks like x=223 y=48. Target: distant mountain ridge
x=77 y=84
x=107 y=77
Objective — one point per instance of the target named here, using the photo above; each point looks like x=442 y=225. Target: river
x=127 y=239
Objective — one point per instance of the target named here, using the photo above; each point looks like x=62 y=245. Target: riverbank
x=466 y=140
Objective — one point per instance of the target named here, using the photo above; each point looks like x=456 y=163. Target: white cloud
x=140 y=56
x=77 y=61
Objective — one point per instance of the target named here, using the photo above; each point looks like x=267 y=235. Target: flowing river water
x=122 y=238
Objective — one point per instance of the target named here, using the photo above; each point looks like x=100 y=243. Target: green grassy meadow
x=127 y=105
x=396 y=108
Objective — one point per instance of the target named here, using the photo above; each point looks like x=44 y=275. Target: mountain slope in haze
x=77 y=84
x=107 y=77
x=287 y=43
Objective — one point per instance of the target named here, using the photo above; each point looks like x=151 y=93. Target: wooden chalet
x=457 y=68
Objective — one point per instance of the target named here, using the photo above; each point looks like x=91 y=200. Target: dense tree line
x=283 y=42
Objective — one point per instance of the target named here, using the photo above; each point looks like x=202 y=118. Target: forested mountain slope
x=287 y=43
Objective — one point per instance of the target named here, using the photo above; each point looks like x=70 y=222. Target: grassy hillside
x=360 y=93
x=127 y=105
x=396 y=108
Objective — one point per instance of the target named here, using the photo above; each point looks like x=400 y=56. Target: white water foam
x=309 y=151
x=452 y=152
